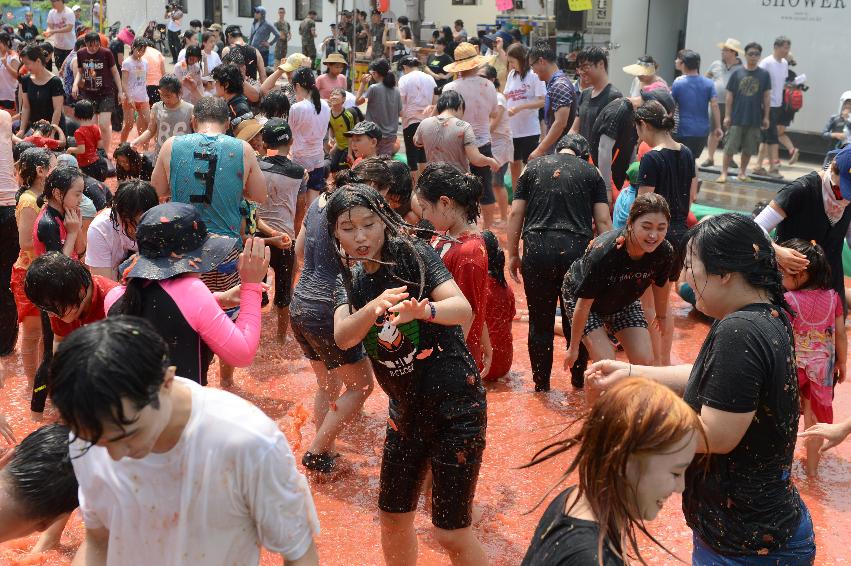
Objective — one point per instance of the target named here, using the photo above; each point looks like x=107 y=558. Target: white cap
x=75 y=7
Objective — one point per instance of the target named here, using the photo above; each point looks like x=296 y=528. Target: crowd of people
x=388 y=267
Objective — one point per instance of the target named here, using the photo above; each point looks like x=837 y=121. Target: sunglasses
x=753 y=53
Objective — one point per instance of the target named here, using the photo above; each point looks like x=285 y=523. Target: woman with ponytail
x=401 y=302
x=632 y=452
x=500 y=311
x=668 y=170
x=739 y=500
x=308 y=120
x=384 y=103
x=450 y=201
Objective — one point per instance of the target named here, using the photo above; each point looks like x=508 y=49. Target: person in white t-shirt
x=209 y=58
x=417 y=90
x=171 y=472
x=60 y=30
x=524 y=94
x=134 y=74
x=778 y=69
x=9 y=63
x=111 y=235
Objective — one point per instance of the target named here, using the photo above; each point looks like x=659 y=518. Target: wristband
x=433 y=311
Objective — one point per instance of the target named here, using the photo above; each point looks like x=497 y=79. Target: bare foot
x=36 y=417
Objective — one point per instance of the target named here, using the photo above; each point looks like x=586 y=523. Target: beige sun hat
x=640 y=69
x=466 y=58
x=335 y=58
x=732 y=45
x=295 y=61
x=247 y=129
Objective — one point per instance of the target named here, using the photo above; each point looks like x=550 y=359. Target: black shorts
x=694 y=143
x=452 y=442
x=769 y=136
x=320 y=347
x=485 y=175
x=315 y=180
x=282 y=262
x=98 y=169
x=414 y=154
x=153 y=93
x=523 y=147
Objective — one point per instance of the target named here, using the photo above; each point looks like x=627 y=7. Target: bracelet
x=433 y=311
x=630 y=371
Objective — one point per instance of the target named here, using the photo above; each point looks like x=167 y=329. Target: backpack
x=793 y=99
x=352 y=116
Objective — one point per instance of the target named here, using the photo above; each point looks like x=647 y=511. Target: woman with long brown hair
x=634 y=448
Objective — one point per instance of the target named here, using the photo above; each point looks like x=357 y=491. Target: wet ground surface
x=518 y=422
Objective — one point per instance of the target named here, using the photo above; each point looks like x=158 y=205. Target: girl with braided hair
x=739 y=498
x=402 y=303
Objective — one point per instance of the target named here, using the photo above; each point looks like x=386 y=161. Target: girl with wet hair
x=633 y=450
x=400 y=197
x=668 y=170
x=601 y=290
x=401 y=302
x=308 y=119
x=500 y=310
x=275 y=105
x=374 y=172
x=450 y=201
x=740 y=500
x=34 y=166
x=384 y=103
x=130 y=164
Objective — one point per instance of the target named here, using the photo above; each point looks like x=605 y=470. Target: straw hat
x=732 y=45
x=295 y=61
x=466 y=58
x=334 y=58
x=640 y=69
x=247 y=129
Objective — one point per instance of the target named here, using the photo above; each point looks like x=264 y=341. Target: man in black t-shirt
x=437 y=61
x=593 y=66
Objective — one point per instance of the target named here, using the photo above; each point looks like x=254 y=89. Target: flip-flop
x=721 y=180
x=793 y=158
x=745 y=179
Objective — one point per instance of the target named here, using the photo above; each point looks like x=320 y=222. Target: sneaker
x=793 y=157
x=323 y=462
x=760 y=171
x=708 y=163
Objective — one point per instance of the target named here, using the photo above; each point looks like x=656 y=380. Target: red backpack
x=793 y=99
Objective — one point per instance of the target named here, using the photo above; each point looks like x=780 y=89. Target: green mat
x=701 y=210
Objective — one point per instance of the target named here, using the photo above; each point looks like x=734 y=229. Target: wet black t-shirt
x=617 y=121
x=802 y=202
x=614 y=280
x=436 y=63
x=745 y=502
x=561 y=540
x=591 y=106
x=40 y=98
x=671 y=173
x=418 y=362
x=560 y=192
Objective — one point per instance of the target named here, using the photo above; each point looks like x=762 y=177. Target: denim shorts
x=799 y=551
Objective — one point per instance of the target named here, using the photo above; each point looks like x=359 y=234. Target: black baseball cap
x=276 y=132
x=365 y=128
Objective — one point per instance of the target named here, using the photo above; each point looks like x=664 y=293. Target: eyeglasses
x=753 y=53
x=583 y=67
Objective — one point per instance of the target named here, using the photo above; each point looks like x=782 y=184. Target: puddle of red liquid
x=518 y=421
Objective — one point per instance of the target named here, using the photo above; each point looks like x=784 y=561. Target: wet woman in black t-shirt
x=739 y=501
x=601 y=291
x=633 y=452
x=668 y=170
x=402 y=303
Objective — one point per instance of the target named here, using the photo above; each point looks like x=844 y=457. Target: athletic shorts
x=769 y=136
x=743 y=138
x=499 y=176
x=485 y=175
x=104 y=104
x=320 y=347
x=631 y=316
x=452 y=443
x=694 y=143
x=414 y=154
x=523 y=147
x=315 y=180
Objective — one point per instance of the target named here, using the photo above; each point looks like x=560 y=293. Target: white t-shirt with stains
x=229 y=486
x=480 y=101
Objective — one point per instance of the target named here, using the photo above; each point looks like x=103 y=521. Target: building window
x=245 y=8
x=464 y=2
x=302 y=7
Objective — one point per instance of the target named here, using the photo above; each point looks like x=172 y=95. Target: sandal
x=322 y=462
x=760 y=171
x=793 y=157
x=745 y=179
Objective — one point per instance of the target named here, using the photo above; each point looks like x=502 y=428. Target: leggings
x=546 y=258
x=39 y=397
x=174 y=45
x=282 y=262
x=8 y=254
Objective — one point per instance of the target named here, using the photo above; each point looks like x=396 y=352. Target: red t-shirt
x=40 y=141
x=467 y=261
x=90 y=137
x=100 y=287
x=500 y=313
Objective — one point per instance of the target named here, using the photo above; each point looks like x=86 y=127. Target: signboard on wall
x=600 y=17
x=818 y=30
